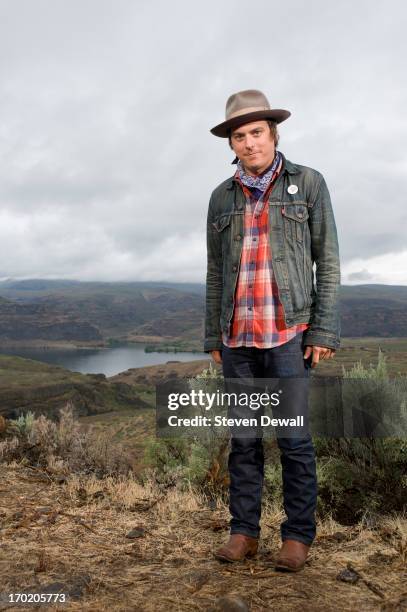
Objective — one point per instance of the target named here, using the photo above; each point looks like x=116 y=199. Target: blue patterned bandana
x=262 y=181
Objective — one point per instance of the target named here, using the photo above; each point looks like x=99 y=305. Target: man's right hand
x=216 y=356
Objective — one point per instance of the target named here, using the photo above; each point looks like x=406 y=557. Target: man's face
x=253 y=143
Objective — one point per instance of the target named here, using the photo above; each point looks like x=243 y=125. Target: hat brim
x=276 y=114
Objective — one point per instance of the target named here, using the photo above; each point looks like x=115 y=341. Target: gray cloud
x=107 y=162
x=363 y=276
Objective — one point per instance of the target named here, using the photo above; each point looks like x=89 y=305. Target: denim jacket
x=302 y=233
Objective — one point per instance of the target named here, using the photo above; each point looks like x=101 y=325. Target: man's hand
x=318 y=353
x=216 y=356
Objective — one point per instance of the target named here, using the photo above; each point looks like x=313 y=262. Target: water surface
x=108 y=361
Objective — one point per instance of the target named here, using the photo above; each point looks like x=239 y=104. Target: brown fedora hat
x=246 y=106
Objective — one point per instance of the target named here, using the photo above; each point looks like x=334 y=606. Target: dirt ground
x=117 y=545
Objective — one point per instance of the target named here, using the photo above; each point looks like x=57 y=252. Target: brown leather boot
x=237 y=548
x=292 y=556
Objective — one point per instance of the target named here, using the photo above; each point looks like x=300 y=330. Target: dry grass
x=62 y=447
x=74 y=532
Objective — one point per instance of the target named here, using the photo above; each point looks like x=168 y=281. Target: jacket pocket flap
x=222 y=222
x=296 y=212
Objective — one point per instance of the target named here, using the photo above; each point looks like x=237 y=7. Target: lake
x=109 y=361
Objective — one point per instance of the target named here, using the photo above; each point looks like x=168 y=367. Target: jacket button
x=238 y=237
x=234 y=268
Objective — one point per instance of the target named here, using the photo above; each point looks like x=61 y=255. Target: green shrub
x=357 y=477
x=364 y=476
x=23 y=425
x=198 y=460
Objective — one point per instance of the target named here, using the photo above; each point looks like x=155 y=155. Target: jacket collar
x=288 y=167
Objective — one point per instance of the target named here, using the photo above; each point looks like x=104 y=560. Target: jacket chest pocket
x=295 y=221
x=221 y=223
x=223 y=227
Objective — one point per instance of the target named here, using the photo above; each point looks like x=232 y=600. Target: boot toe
x=237 y=548
x=292 y=557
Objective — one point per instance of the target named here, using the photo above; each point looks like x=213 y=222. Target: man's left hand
x=318 y=353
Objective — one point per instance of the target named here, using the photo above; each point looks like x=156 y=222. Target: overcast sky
x=107 y=162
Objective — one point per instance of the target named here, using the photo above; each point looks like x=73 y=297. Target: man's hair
x=273 y=130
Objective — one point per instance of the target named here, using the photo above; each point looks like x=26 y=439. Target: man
x=266 y=314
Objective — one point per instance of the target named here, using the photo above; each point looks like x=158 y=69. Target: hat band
x=245 y=111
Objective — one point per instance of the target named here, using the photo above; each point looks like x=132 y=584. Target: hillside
x=99 y=312
x=27 y=385
x=40 y=319
x=374 y=310
x=162 y=314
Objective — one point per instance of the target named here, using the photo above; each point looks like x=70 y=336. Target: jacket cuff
x=320 y=338
x=213 y=344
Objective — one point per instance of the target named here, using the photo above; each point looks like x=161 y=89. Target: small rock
x=339 y=536
x=44 y=510
x=380 y=558
x=74 y=587
x=54 y=587
x=98 y=495
x=348 y=575
x=77 y=585
x=231 y=603
x=137 y=532
x=178 y=561
x=196 y=580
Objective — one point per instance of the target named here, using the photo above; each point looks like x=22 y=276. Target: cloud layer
x=107 y=162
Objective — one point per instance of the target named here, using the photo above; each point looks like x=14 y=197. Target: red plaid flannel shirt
x=258 y=317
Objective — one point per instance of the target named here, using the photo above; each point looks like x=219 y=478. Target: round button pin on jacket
x=292 y=189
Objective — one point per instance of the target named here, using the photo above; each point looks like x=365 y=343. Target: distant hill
x=169 y=314
x=93 y=312
x=40 y=320
x=374 y=310
x=21 y=289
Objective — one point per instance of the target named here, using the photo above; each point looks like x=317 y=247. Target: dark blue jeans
x=246 y=458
